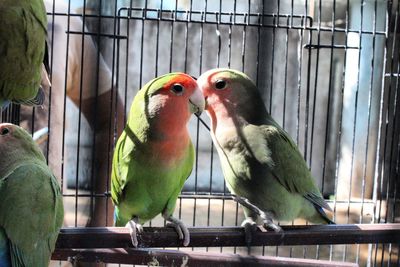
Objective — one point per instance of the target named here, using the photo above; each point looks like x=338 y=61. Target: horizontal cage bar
x=119 y=237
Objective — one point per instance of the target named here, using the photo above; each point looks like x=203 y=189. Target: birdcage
x=328 y=72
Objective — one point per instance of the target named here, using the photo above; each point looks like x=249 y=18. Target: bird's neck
x=164 y=137
x=169 y=137
x=16 y=159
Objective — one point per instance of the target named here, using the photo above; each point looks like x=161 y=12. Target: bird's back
x=32 y=226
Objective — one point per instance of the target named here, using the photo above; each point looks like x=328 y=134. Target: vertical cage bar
x=338 y=149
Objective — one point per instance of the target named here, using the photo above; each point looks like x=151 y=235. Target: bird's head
x=167 y=103
x=229 y=93
x=15 y=140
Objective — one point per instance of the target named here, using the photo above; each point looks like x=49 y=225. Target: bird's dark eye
x=4 y=131
x=220 y=84
x=177 y=89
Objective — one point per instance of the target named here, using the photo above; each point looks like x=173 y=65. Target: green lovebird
x=22 y=52
x=31 y=208
x=154 y=154
x=261 y=164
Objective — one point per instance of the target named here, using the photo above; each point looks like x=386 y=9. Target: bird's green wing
x=126 y=145
x=272 y=146
x=121 y=159
x=32 y=224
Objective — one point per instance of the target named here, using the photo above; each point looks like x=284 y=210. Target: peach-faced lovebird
x=31 y=208
x=154 y=154
x=22 y=52
x=262 y=165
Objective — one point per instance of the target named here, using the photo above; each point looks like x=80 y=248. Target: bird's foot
x=269 y=225
x=134 y=229
x=250 y=227
x=180 y=228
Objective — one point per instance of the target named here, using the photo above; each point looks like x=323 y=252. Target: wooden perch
x=156 y=257
x=118 y=237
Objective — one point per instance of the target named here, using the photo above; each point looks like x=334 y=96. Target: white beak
x=197 y=102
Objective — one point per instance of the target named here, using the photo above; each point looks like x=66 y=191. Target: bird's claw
x=250 y=227
x=177 y=229
x=134 y=229
x=180 y=228
x=183 y=232
x=269 y=225
x=265 y=216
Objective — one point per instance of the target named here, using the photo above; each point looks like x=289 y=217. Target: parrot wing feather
x=23 y=36
x=33 y=223
x=39 y=12
x=317 y=200
x=284 y=159
x=122 y=156
x=17 y=258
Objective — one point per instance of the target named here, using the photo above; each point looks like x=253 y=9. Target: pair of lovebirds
x=261 y=164
x=153 y=158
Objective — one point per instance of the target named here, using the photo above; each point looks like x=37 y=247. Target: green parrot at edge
x=154 y=154
x=261 y=164
x=31 y=207
x=23 y=52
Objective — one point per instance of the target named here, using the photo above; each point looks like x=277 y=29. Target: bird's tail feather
x=323 y=215
x=38 y=100
x=4 y=104
x=4 y=250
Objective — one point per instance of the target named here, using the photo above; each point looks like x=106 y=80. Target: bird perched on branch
x=23 y=58
x=31 y=208
x=262 y=165
x=154 y=155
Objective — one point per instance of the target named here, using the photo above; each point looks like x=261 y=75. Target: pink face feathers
x=171 y=104
x=215 y=83
x=171 y=100
x=218 y=87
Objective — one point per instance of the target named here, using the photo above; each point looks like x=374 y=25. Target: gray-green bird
x=31 y=208
x=23 y=29
x=260 y=162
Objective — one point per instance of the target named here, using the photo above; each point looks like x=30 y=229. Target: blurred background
x=328 y=72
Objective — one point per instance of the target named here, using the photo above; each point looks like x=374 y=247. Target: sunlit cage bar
x=328 y=72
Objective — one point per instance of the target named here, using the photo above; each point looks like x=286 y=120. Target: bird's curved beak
x=197 y=102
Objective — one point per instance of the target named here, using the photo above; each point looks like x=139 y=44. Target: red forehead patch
x=183 y=79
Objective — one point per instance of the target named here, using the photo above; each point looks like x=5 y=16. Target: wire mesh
x=328 y=72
